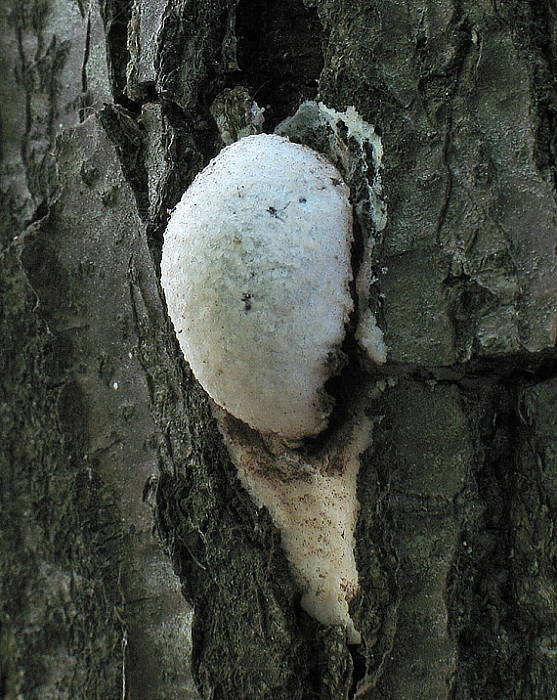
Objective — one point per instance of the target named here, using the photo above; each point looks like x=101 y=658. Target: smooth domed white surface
x=255 y=269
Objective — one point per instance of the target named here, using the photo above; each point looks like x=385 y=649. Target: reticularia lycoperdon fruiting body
x=256 y=271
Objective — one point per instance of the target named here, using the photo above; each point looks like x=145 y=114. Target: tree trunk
x=119 y=493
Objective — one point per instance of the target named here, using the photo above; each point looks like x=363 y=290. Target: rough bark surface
x=105 y=116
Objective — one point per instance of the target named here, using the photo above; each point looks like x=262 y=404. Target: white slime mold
x=353 y=143
x=256 y=268
x=312 y=501
x=256 y=271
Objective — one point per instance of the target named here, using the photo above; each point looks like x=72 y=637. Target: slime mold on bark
x=256 y=272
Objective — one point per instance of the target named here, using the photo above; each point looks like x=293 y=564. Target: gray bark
x=105 y=435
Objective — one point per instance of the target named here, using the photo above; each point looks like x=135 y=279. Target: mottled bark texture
x=104 y=121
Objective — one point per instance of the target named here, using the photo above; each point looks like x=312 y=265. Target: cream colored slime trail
x=256 y=268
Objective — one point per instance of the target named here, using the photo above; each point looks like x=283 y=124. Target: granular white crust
x=255 y=269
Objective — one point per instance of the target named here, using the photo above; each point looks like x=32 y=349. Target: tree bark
x=118 y=492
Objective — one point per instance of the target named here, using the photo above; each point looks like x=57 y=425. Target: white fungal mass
x=256 y=268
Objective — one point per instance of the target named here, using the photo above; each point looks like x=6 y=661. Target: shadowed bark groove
x=116 y=16
x=279 y=55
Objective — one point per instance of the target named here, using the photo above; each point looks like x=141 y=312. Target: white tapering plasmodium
x=256 y=272
x=312 y=500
